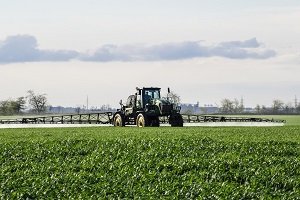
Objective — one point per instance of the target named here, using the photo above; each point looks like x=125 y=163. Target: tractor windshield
x=150 y=94
x=154 y=94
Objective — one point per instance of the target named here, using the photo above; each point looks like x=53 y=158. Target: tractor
x=145 y=107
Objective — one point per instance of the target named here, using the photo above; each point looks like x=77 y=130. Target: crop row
x=149 y=168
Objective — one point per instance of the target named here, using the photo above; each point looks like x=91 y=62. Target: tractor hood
x=163 y=106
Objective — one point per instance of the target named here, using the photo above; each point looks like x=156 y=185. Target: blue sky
x=203 y=50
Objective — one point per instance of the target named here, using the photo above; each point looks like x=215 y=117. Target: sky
x=204 y=50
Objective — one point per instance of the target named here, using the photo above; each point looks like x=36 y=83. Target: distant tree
x=264 y=109
x=11 y=107
x=235 y=105
x=5 y=107
x=288 y=108
x=238 y=106
x=173 y=97
x=257 y=109
x=298 y=109
x=227 y=106
x=232 y=106
x=38 y=102
x=105 y=107
x=20 y=104
x=277 y=106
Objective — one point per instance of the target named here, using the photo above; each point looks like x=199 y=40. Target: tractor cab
x=146 y=95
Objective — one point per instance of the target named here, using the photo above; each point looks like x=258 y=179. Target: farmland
x=188 y=162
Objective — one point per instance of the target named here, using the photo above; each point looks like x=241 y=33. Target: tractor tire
x=118 y=120
x=155 y=122
x=141 y=120
x=176 y=120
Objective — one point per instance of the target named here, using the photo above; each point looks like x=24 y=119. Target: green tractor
x=145 y=107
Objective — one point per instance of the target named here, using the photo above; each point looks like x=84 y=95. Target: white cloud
x=178 y=51
x=23 y=48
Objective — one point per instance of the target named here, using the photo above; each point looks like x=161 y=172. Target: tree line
x=38 y=103
x=277 y=107
x=35 y=103
x=231 y=106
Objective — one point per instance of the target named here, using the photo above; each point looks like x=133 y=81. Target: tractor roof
x=151 y=88
x=148 y=88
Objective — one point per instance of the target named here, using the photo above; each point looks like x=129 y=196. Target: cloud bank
x=24 y=48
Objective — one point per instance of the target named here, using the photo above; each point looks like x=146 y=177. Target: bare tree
x=288 y=108
x=241 y=106
x=258 y=109
x=238 y=106
x=264 y=109
x=232 y=106
x=227 y=106
x=173 y=97
x=277 y=105
x=38 y=102
x=105 y=107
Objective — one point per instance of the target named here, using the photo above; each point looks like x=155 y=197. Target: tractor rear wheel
x=118 y=120
x=176 y=120
x=154 y=122
x=141 y=120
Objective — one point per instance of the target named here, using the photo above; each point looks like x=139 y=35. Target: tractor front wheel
x=141 y=120
x=118 y=120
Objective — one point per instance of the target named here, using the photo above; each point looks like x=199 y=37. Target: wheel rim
x=118 y=121
x=141 y=121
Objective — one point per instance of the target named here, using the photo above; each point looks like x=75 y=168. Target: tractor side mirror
x=121 y=103
x=168 y=90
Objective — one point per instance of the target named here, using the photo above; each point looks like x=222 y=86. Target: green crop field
x=151 y=163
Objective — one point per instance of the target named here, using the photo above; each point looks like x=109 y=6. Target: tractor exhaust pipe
x=168 y=95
